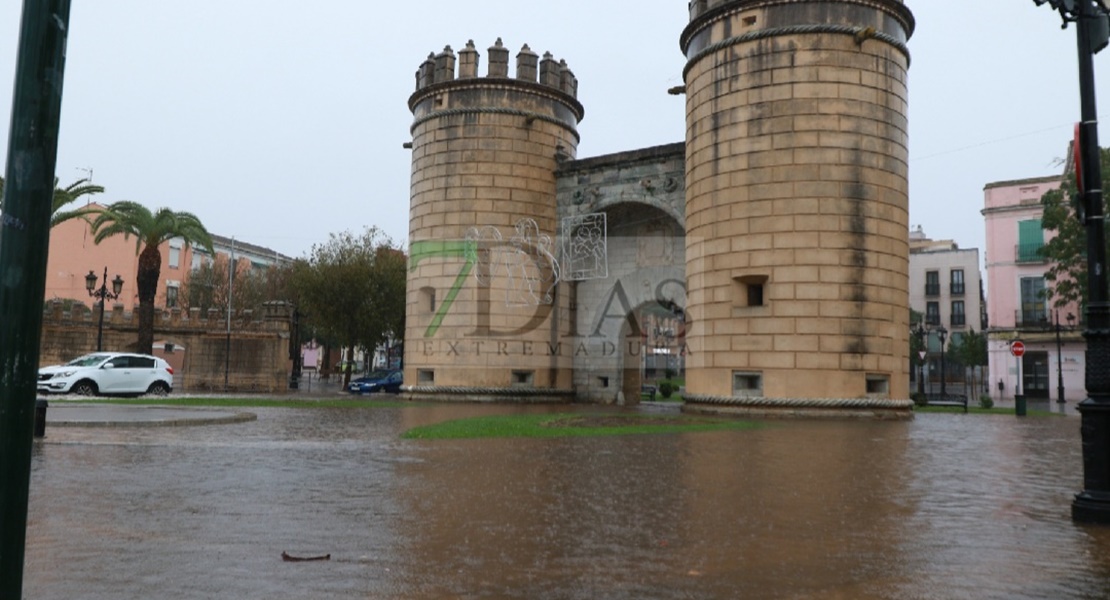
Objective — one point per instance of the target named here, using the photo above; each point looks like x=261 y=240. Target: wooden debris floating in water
x=290 y=558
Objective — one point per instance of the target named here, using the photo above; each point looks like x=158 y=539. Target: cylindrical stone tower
x=484 y=310
x=797 y=212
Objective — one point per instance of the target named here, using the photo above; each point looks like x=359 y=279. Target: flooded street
x=947 y=506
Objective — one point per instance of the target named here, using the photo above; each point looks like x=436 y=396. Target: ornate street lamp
x=1060 y=357
x=920 y=333
x=1092 y=19
x=102 y=294
x=942 y=334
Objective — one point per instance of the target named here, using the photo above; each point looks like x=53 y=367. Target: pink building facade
x=73 y=253
x=1018 y=308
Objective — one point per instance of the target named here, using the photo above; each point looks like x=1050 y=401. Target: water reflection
x=946 y=506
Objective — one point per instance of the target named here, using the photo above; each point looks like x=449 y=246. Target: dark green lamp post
x=1092 y=19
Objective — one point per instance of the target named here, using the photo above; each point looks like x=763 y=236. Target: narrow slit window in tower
x=523 y=378
x=429 y=294
x=878 y=385
x=747 y=384
x=749 y=290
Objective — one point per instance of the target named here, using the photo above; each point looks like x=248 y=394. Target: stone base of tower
x=800 y=408
x=508 y=395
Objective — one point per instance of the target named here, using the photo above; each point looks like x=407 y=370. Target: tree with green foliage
x=1067 y=250
x=353 y=290
x=207 y=286
x=970 y=351
x=150 y=229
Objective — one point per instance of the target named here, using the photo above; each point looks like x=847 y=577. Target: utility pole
x=24 y=238
x=230 y=291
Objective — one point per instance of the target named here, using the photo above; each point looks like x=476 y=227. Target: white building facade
x=946 y=288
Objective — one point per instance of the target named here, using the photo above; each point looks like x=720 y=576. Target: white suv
x=108 y=373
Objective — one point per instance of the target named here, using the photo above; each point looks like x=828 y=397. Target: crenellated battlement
x=530 y=67
x=275 y=316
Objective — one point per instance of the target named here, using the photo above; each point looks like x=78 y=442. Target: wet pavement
x=60 y=414
x=945 y=506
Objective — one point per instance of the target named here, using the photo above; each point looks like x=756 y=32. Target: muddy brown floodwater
x=947 y=506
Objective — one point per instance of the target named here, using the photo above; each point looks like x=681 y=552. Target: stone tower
x=483 y=308
x=797 y=210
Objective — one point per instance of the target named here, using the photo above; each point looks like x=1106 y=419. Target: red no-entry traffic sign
x=1017 y=348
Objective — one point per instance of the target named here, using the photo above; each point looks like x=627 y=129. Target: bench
x=946 y=400
x=648 y=391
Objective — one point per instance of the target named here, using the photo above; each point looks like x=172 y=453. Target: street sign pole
x=1017 y=349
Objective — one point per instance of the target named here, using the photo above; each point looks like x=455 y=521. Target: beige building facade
x=946 y=290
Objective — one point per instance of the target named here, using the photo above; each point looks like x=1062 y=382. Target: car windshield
x=88 y=360
x=379 y=375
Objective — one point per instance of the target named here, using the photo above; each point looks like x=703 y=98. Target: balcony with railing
x=959 y=320
x=1031 y=319
x=932 y=289
x=1029 y=253
x=957 y=289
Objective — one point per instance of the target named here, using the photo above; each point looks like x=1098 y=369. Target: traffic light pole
x=1093 y=503
x=24 y=235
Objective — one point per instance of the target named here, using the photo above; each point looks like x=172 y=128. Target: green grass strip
x=246 y=402
x=570 y=425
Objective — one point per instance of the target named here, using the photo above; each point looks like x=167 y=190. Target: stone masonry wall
x=259 y=358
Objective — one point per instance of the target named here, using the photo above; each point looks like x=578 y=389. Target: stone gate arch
x=646 y=264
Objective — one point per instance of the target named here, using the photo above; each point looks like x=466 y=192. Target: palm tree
x=64 y=196
x=150 y=230
x=67 y=195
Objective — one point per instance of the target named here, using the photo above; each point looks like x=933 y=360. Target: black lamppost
x=1060 y=357
x=942 y=334
x=1093 y=503
x=920 y=332
x=102 y=294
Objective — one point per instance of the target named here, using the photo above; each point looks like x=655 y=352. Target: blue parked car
x=378 y=381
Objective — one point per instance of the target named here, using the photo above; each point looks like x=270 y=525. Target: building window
x=959 y=318
x=426 y=376
x=428 y=294
x=171 y=296
x=932 y=283
x=200 y=258
x=749 y=290
x=523 y=378
x=1030 y=241
x=1034 y=309
x=746 y=384
x=175 y=253
x=878 y=386
x=932 y=313
x=755 y=294
x=957 y=282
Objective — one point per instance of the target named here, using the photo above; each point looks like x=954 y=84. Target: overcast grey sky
x=281 y=121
